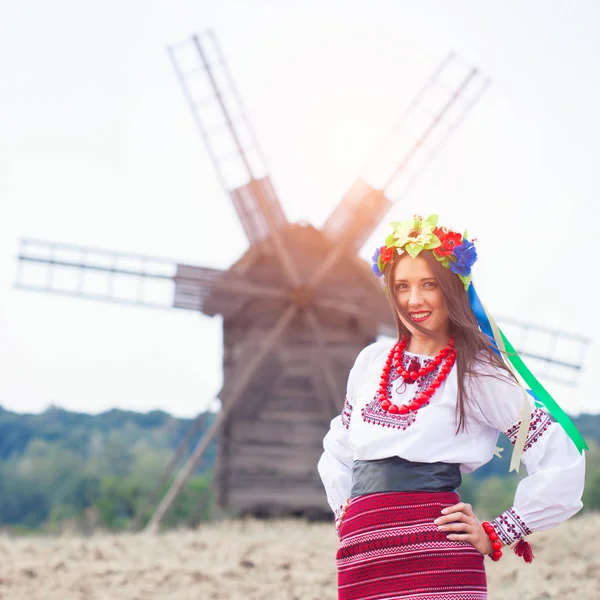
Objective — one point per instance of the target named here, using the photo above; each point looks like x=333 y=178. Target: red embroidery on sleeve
x=346 y=413
x=540 y=421
x=510 y=527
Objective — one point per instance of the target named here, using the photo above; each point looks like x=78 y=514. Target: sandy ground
x=262 y=560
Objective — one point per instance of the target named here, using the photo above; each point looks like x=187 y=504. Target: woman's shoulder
x=486 y=367
x=371 y=353
x=488 y=375
x=362 y=365
x=495 y=396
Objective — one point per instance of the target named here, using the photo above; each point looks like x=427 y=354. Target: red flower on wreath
x=386 y=254
x=449 y=240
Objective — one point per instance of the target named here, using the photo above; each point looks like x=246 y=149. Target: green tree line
x=94 y=470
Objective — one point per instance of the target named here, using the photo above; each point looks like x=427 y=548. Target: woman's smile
x=421 y=316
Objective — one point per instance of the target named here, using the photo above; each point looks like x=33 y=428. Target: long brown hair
x=471 y=344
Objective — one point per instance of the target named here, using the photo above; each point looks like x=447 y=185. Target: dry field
x=254 y=560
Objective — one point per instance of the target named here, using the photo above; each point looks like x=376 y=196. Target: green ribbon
x=542 y=396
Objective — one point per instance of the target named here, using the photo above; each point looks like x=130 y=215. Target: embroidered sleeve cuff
x=510 y=527
x=540 y=422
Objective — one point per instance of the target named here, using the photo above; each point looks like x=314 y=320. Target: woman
x=423 y=410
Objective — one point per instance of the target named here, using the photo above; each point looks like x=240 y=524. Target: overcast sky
x=97 y=147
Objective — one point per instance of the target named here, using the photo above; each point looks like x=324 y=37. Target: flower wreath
x=452 y=249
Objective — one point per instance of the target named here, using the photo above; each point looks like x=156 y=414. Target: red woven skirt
x=391 y=549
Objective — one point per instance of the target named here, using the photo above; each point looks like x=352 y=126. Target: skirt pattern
x=390 y=549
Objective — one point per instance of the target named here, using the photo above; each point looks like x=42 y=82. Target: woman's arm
x=335 y=464
x=551 y=493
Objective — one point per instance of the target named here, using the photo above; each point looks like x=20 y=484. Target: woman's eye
x=400 y=286
x=430 y=284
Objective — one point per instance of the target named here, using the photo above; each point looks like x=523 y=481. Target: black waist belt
x=396 y=474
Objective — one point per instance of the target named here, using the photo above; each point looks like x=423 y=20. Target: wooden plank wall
x=270 y=446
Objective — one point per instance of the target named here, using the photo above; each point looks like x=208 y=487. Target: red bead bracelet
x=496 y=544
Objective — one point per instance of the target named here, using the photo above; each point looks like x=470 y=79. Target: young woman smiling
x=424 y=409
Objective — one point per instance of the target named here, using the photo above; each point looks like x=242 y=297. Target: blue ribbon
x=484 y=325
x=482 y=319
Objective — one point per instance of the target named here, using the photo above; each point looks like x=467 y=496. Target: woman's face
x=417 y=291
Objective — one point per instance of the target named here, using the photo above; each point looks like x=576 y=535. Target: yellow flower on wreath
x=414 y=235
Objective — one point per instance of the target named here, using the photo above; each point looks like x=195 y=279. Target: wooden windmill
x=297 y=307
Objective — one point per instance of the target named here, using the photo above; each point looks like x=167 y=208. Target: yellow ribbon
x=515 y=459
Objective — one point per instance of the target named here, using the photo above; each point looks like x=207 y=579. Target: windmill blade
x=228 y=404
x=229 y=138
x=414 y=141
x=180 y=451
x=193 y=286
x=553 y=354
x=128 y=278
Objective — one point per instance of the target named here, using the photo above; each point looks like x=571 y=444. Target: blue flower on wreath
x=465 y=255
x=375 y=265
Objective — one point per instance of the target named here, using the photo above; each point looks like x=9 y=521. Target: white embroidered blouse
x=549 y=495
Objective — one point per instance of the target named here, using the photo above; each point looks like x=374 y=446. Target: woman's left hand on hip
x=460 y=524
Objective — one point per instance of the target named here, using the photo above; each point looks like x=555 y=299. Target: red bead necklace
x=446 y=354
